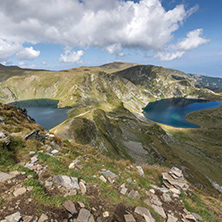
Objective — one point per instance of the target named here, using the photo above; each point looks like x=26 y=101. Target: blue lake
x=173 y=111
x=44 y=111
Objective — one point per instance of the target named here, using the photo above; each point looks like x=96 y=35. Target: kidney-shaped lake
x=173 y=111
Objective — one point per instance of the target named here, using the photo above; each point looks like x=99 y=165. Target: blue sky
x=180 y=34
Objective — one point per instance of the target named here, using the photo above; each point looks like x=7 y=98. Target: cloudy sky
x=61 y=34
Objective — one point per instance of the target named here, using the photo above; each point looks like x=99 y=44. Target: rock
x=145 y=213
x=123 y=189
x=106 y=214
x=55 y=152
x=82 y=205
x=98 y=219
x=27 y=218
x=19 y=191
x=1 y=120
x=82 y=187
x=134 y=194
x=48 y=184
x=176 y=173
x=190 y=218
x=43 y=218
x=152 y=191
x=109 y=175
x=13 y=217
x=197 y=216
x=175 y=179
x=129 y=218
x=79 y=167
x=34 y=159
x=83 y=216
x=129 y=180
x=140 y=170
x=155 y=200
x=56 y=145
x=35 y=135
x=32 y=153
x=171 y=218
x=49 y=148
x=69 y=183
x=4 y=139
x=5 y=176
x=159 y=210
x=70 y=207
x=103 y=178
x=166 y=197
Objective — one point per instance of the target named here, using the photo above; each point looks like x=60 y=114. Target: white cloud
x=192 y=41
x=28 y=54
x=71 y=56
x=21 y=63
x=105 y=24
x=44 y=63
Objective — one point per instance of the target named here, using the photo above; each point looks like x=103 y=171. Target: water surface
x=173 y=111
x=44 y=111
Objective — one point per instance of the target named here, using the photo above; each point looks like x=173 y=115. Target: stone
x=34 y=159
x=129 y=218
x=55 y=152
x=43 y=218
x=152 y=191
x=4 y=139
x=140 y=170
x=171 y=218
x=56 y=145
x=143 y=211
x=129 y=180
x=79 y=167
x=35 y=135
x=176 y=173
x=155 y=200
x=91 y=219
x=13 y=217
x=68 y=182
x=48 y=184
x=134 y=194
x=197 y=216
x=169 y=181
x=159 y=210
x=5 y=176
x=82 y=187
x=27 y=218
x=106 y=214
x=166 y=197
x=109 y=174
x=103 y=178
x=82 y=205
x=84 y=215
x=49 y=148
x=19 y=191
x=190 y=218
x=32 y=153
x=70 y=207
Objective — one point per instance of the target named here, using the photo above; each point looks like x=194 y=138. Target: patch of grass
x=193 y=203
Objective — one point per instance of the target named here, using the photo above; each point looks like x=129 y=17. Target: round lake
x=173 y=111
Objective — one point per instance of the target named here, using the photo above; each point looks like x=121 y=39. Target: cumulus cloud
x=192 y=41
x=71 y=56
x=8 y=48
x=109 y=24
x=28 y=54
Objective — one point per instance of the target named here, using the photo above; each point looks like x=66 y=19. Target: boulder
x=68 y=182
x=159 y=210
x=134 y=194
x=109 y=175
x=14 y=217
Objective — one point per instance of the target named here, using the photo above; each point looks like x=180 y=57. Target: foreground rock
x=143 y=211
x=70 y=183
x=174 y=180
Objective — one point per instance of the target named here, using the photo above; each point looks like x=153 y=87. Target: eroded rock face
x=70 y=183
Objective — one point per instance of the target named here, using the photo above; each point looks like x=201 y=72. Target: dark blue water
x=45 y=112
x=173 y=111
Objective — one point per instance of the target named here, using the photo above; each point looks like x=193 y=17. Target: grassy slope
x=107 y=195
